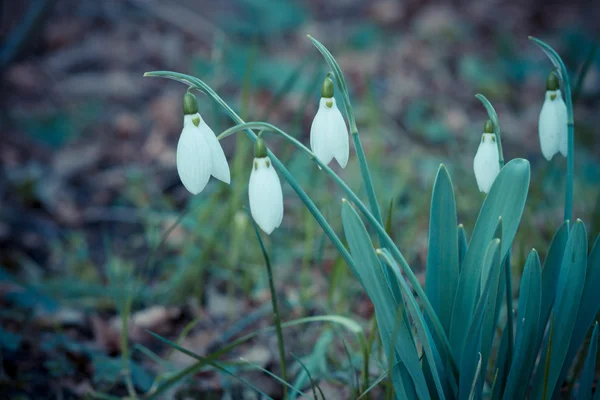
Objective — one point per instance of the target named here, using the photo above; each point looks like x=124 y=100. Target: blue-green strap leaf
x=506 y=199
x=441 y=274
x=471 y=354
x=568 y=297
x=584 y=391
x=375 y=284
x=588 y=309
x=422 y=330
x=530 y=299
x=463 y=243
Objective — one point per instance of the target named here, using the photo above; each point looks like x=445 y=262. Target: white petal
x=338 y=140
x=563 y=135
x=329 y=135
x=220 y=167
x=485 y=163
x=193 y=158
x=265 y=195
x=549 y=128
x=321 y=127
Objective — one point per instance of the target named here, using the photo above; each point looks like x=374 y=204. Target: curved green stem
x=310 y=205
x=493 y=116
x=387 y=241
x=563 y=76
x=362 y=160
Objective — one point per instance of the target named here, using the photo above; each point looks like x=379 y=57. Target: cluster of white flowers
x=200 y=155
x=552 y=131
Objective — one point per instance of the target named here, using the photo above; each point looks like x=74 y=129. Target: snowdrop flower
x=264 y=190
x=199 y=154
x=553 y=120
x=328 y=133
x=486 y=163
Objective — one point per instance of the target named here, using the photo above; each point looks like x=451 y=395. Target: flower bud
x=190 y=104
x=327 y=88
x=552 y=82
x=260 y=149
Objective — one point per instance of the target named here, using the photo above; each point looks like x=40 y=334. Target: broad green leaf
x=462 y=245
x=442 y=254
x=494 y=302
x=589 y=307
x=471 y=354
x=422 y=330
x=550 y=273
x=386 y=308
x=506 y=199
x=568 y=297
x=584 y=392
x=525 y=353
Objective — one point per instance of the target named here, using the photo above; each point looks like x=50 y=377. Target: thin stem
x=387 y=241
x=563 y=76
x=366 y=176
x=364 y=167
x=125 y=346
x=276 y=315
x=278 y=326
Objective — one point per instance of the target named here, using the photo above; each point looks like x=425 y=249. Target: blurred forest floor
x=88 y=185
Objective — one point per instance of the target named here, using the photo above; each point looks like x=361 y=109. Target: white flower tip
x=329 y=135
x=193 y=159
x=265 y=195
x=344 y=200
x=485 y=163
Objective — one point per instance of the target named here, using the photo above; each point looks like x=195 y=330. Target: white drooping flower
x=199 y=154
x=264 y=191
x=328 y=132
x=552 y=127
x=486 y=162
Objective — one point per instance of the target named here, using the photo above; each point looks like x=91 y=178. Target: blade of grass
x=209 y=362
x=272 y=375
x=349 y=324
x=312 y=382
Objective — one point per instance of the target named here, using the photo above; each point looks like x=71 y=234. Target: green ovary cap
x=488 y=127
x=327 y=88
x=552 y=81
x=260 y=149
x=190 y=104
